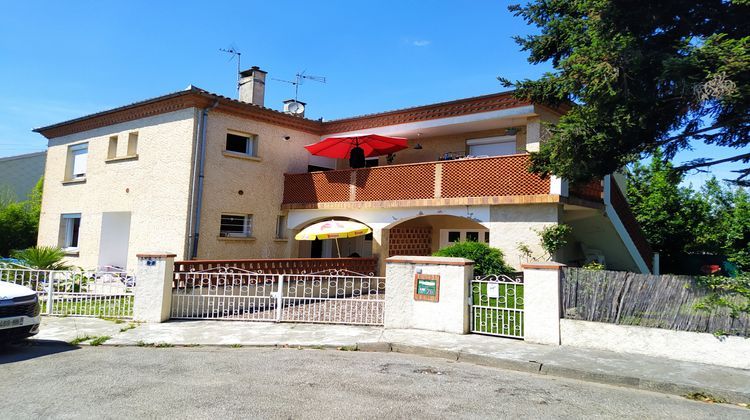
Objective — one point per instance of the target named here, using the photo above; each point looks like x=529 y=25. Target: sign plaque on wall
x=427 y=287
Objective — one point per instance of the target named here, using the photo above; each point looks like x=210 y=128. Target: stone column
x=448 y=311
x=153 y=287
x=542 y=301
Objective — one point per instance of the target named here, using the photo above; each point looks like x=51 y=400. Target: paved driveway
x=51 y=380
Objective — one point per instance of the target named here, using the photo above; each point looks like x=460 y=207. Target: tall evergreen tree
x=638 y=75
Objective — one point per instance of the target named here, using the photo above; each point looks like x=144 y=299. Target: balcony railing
x=501 y=176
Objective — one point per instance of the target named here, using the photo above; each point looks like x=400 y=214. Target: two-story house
x=209 y=177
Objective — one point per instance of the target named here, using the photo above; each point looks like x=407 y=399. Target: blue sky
x=61 y=60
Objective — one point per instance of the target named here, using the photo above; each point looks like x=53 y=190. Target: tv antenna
x=299 y=79
x=233 y=51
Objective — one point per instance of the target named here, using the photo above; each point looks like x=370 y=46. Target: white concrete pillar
x=153 y=287
x=447 y=312
x=542 y=302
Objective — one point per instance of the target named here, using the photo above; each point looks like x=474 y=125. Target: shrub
x=42 y=257
x=487 y=260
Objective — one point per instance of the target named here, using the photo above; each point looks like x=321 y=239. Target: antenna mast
x=233 y=51
x=299 y=78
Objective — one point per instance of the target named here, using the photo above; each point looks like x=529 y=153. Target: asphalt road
x=51 y=380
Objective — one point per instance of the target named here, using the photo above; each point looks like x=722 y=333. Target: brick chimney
x=252 y=85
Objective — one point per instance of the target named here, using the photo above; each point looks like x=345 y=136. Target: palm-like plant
x=42 y=258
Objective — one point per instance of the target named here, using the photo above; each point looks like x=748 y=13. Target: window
x=451 y=236
x=371 y=162
x=71 y=226
x=132 y=144
x=236 y=226
x=241 y=143
x=492 y=146
x=77 y=156
x=112 y=151
x=281 y=227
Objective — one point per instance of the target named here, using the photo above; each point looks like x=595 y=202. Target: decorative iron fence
x=279 y=265
x=107 y=294
x=665 y=301
x=332 y=296
x=497 y=305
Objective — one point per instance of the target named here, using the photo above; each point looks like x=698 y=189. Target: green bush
x=487 y=260
x=42 y=257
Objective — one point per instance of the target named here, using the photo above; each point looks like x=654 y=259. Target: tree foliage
x=678 y=220
x=19 y=222
x=638 y=76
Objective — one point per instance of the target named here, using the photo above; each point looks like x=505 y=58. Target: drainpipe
x=201 y=173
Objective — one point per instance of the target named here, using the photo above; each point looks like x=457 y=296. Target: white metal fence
x=336 y=296
x=106 y=294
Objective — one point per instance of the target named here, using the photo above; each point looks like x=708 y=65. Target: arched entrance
x=360 y=246
x=424 y=235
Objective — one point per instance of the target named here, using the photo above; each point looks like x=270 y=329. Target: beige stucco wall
x=511 y=225
x=154 y=188
x=262 y=183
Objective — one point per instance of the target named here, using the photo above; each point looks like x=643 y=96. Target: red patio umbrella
x=371 y=145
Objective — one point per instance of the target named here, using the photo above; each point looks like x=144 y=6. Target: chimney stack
x=253 y=85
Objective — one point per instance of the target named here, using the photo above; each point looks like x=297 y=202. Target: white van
x=19 y=312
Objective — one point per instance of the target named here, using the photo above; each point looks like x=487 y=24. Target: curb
x=533 y=367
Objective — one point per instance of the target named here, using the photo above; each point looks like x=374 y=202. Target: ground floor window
x=236 y=225
x=450 y=236
x=281 y=227
x=70 y=230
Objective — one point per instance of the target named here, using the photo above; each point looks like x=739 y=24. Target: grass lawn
x=101 y=306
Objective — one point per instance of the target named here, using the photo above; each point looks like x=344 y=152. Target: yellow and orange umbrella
x=333 y=229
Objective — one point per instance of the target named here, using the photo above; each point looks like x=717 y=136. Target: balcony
x=493 y=180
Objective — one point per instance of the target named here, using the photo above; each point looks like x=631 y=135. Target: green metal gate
x=497 y=305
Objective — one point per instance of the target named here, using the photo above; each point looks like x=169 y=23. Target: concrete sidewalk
x=636 y=371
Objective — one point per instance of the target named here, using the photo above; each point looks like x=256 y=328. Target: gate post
x=428 y=293
x=153 y=287
x=279 y=298
x=542 y=302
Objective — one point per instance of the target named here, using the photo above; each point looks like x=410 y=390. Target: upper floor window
x=492 y=146
x=118 y=151
x=236 y=226
x=77 y=160
x=246 y=144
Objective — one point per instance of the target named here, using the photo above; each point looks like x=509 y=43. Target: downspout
x=201 y=174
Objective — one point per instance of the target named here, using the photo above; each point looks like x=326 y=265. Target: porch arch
x=425 y=234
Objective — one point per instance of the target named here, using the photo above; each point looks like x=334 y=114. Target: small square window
x=472 y=236
x=240 y=143
x=132 y=144
x=236 y=225
x=70 y=231
x=281 y=227
x=112 y=151
x=454 y=236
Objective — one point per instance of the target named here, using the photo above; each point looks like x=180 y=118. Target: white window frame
x=462 y=236
x=81 y=149
x=247 y=231
x=68 y=228
x=251 y=144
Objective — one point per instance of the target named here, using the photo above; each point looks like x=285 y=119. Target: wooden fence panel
x=646 y=300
